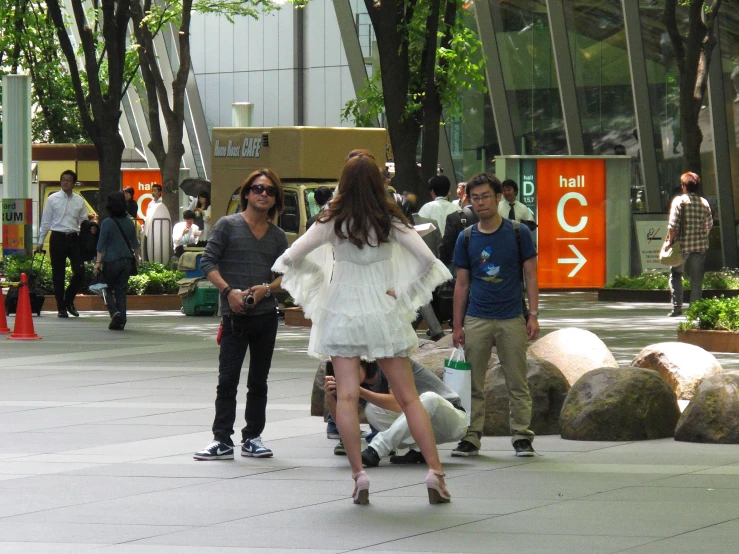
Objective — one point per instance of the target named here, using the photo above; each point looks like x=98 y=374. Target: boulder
x=548 y=388
x=619 y=404
x=683 y=366
x=573 y=351
x=713 y=414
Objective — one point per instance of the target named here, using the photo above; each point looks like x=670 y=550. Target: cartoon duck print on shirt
x=490 y=269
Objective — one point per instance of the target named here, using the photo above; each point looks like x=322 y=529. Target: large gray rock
x=548 y=389
x=574 y=352
x=683 y=366
x=626 y=404
x=713 y=414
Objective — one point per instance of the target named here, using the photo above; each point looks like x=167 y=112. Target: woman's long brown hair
x=363 y=203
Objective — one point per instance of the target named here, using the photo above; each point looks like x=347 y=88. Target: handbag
x=671 y=253
x=458 y=377
x=134 y=267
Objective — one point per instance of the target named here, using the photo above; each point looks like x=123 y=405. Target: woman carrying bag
x=118 y=250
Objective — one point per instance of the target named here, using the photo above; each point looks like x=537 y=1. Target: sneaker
x=370 y=457
x=676 y=312
x=253 y=448
x=465 y=449
x=339 y=450
x=216 y=450
x=117 y=323
x=523 y=448
x=410 y=457
x=332 y=431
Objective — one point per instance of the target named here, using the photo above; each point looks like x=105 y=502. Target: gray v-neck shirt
x=242 y=259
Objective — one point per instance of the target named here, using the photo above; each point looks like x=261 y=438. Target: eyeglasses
x=261 y=189
x=483 y=198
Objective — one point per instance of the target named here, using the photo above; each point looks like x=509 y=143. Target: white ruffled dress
x=343 y=290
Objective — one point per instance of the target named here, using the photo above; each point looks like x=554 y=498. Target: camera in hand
x=249 y=301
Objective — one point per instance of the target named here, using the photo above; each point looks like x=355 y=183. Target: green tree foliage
x=431 y=55
x=28 y=44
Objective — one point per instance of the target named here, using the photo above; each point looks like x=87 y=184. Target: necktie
x=512 y=213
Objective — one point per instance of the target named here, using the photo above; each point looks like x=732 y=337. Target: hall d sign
x=572 y=222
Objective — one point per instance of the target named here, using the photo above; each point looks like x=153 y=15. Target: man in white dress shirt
x=439 y=207
x=63 y=213
x=185 y=233
x=509 y=207
x=460 y=202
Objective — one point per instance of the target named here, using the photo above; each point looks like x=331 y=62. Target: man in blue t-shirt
x=489 y=289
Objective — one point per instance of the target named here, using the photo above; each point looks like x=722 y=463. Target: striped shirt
x=695 y=212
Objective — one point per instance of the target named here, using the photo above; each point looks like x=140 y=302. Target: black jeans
x=63 y=246
x=258 y=334
x=116 y=274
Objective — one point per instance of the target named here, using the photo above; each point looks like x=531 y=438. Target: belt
x=67 y=232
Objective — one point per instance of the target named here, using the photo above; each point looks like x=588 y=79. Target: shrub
x=713 y=314
x=726 y=279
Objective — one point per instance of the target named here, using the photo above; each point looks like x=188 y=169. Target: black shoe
x=411 y=457
x=523 y=448
x=370 y=457
x=62 y=314
x=339 y=449
x=72 y=310
x=465 y=449
x=216 y=450
x=117 y=323
x=676 y=312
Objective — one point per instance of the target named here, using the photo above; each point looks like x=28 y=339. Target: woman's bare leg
x=400 y=376
x=347 y=396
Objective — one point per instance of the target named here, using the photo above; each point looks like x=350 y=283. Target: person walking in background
x=460 y=202
x=321 y=195
x=690 y=222
x=201 y=209
x=439 y=207
x=132 y=207
x=117 y=251
x=237 y=260
x=63 y=213
x=360 y=273
x=509 y=207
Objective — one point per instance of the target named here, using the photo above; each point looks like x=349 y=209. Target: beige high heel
x=361 y=488
x=438 y=494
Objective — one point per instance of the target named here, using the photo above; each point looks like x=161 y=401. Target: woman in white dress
x=360 y=273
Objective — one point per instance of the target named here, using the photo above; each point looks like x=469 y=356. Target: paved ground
x=97 y=431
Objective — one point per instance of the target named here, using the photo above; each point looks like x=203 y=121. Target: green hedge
x=714 y=314
x=152 y=278
x=726 y=279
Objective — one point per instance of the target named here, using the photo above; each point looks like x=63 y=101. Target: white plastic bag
x=458 y=377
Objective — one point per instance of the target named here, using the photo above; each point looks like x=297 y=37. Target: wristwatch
x=534 y=312
x=226 y=291
x=269 y=292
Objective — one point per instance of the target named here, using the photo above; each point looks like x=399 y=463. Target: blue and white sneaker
x=216 y=450
x=253 y=448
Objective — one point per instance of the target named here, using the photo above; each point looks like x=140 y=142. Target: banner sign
x=527 y=188
x=17 y=220
x=651 y=230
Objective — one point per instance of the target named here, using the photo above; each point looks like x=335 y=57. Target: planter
x=713 y=341
x=294 y=317
x=94 y=303
x=657 y=296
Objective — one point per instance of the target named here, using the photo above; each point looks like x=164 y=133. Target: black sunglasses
x=259 y=189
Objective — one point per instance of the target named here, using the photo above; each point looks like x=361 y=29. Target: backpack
x=516 y=231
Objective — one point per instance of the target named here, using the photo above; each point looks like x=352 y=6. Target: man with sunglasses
x=488 y=310
x=238 y=259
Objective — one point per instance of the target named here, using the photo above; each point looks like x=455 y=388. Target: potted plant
x=712 y=324
x=653 y=286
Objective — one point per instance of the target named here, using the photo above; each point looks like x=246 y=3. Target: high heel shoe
x=361 y=488
x=438 y=494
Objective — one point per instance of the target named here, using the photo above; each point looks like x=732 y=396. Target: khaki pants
x=510 y=337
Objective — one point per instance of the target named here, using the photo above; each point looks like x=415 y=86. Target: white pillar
x=16 y=136
x=241 y=114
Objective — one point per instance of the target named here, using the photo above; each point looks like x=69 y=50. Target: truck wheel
x=196 y=310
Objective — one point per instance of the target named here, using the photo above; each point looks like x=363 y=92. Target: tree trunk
x=110 y=152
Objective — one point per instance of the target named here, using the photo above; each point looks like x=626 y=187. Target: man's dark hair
x=440 y=185
x=115 y=204
x=691 y=181
x=157 y=186
x=129 y=190
x=188 y=214
x=322 y=195
x=370 y=369
x=482 y=179
x=510 y=183
x=68 y=172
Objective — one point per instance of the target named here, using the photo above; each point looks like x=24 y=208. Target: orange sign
x=141 y=180
x=572 y=223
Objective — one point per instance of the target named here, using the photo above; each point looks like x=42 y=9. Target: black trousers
x=257 y=334
x=65 y=246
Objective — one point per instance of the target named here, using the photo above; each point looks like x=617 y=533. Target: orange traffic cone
x=23 y=329
x=3 y=322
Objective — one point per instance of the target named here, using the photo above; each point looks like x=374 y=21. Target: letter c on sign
x=561 y=212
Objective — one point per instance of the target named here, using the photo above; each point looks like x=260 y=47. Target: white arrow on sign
x=580 y=260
